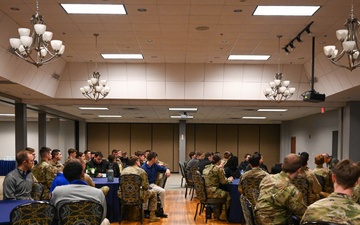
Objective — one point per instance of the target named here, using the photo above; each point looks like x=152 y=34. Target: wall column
x=182 y=140
x=42 y=129
x=351 y=130
x=20 y=126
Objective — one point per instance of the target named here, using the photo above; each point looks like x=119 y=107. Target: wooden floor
x=180 y=210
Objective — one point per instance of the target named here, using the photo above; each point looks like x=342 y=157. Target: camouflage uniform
x=356 y=193
x=278 y=200
x=148 y=194
x=326 y=173
x=255 y=172
x=314 y=185
x=59 y=167
x=337 y=208
x=215 y=175
x=45 y=175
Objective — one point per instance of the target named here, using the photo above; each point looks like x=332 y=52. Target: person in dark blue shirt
x=152 y=168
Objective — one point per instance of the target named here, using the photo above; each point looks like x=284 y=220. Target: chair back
x=200 y=187
x=321 y=180
x=130 y=189
x=161 y=179
x=248 y=210
x=248 y=184
x=182 y=170
x=303 y=185
x=40 y=213
x=37 y=191
x=80 y=213
x=320 y=223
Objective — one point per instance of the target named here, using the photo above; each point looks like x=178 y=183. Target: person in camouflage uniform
x=44 y=172
x=56 y=156
x=256 y=173
x=314 y=185
x=328 y=187
x=134 y=168
x=215 y=175
x=279 y=199
x=339 y=207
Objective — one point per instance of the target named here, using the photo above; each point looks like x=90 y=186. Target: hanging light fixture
x=97 y=88
x=350 y=43
x=279 y=90
x=35 y=48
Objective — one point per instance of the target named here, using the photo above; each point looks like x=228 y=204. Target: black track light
x=298 y=38
x=286 y=49
x=290 y=46
x=307 y=29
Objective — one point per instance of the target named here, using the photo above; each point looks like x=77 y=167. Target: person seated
x=242 y=166
x=100 y=165
x=193 y=164
x=338 y=207
x=152 y=168
x=18 y=183
x=77 y=189
x=231 y=165
x=141 y=156
x=56 y=157
x=254 y=173
x=191 y=156
x=206 y=161
x=279 y=199
x=314 y=185
x=262 y=165
x=149 y=194
x=327 y=186
x=276 y=168
x=44 y=172
x=72 y=154
x=214 y=175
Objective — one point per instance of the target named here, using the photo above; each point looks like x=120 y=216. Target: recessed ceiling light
x=109 y=116
x=248 y=57
x=181 y=117
x=253 y=117
x=272 y=110
x=7 y=114
x=122 y=56
x=142 y=10
x=94 y=9
x=183 y=109
x=202 y=28
x=93 y=108
x=268 y=10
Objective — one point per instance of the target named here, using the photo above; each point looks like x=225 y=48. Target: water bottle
x=110 y=174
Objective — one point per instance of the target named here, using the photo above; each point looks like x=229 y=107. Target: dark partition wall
x=164 y=139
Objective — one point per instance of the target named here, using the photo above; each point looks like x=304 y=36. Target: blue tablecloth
x=235 y=214
x=6 y=166
x=6 y=206
x=112 y=199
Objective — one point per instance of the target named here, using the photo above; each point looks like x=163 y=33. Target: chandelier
x=35 y=48
x=350 y=43
x=96 y=88
x=279 y=90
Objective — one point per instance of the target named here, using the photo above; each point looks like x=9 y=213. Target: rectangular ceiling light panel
x=109 y=116
x=254 y=117
x=93 y=108
x=94 y=9
x=279 y=10
x=183 y=109
x=248 y=57
x=272 y=110
x=122 y=56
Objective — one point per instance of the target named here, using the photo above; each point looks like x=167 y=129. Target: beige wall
x=164 y=139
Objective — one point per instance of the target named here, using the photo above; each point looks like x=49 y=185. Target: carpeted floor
x=174 y=182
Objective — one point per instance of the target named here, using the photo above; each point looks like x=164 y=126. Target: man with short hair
x=206 y=161
x=152 y=168
x=149 y=194
x=100 y=165
x=193 y=163
x=72 y=154
x=338 y=207
x=141 y=156
x=18 y=183
x=328 y=187
x=279 y=199
x=77 y=189
x=56 y=156
x=245 y=163
x=255 y=172
x=192 y=155
x=44 y=172
x=87 y=155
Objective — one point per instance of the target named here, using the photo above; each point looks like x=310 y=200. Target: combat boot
x=153 y=217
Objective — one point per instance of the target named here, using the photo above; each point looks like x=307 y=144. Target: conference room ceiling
x=169 y=31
